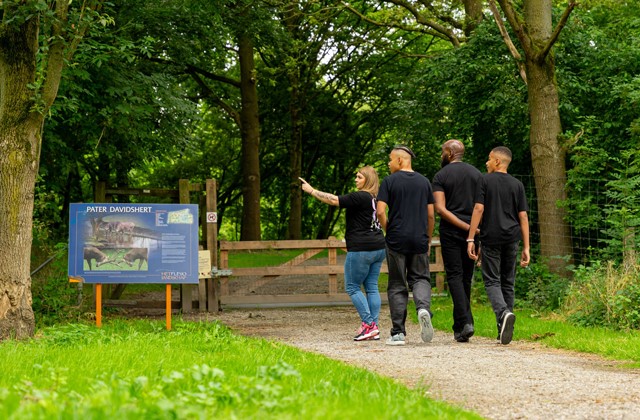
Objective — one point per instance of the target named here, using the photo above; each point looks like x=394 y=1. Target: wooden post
x=213 y=284
x=224 y=280
x=100 y=192
x=436 y=248
x=186 y=290
x=333 y=279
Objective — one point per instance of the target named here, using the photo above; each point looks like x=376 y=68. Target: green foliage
x=598 y=62
x=539 y=288
x=622 y=212
x=54 y=298
x=604 y=296
x=472 y=93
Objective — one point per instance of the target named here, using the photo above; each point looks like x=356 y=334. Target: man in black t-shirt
x=454 y=187
x=501 y=213
x=409 y=227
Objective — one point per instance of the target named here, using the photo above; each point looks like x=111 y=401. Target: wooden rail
x=295 y=267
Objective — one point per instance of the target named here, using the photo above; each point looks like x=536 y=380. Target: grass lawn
x=135 y=369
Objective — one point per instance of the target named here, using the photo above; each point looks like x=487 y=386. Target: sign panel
x=212 y=217
x=133 y=243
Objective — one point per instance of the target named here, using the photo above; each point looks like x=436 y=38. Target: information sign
x=133 y=243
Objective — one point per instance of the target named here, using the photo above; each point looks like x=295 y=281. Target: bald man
x=409 y=228
x=454 y=187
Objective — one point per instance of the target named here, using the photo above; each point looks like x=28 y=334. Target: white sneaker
x=395 y=340
x=426 y=329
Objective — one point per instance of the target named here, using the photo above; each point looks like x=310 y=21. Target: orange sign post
x=168 y=306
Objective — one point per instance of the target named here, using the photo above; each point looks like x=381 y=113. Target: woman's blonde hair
x=371 y=180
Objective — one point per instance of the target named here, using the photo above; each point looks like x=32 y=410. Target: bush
x=605 y=296
x=539 y=288
x=54 y=298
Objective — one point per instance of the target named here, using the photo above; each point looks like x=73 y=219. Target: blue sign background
x=133 y=243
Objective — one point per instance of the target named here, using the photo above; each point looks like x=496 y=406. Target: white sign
x=212 y=217
x=204 y=265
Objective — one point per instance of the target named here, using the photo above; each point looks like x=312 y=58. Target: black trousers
x=459 y=268
x=499 y=274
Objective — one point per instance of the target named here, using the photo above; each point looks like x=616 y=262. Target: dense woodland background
x=256 y=93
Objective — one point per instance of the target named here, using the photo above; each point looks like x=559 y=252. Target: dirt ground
x=520 y=381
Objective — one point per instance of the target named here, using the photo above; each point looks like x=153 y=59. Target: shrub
x=605 y=296
x=54 y=298
x=539 y=288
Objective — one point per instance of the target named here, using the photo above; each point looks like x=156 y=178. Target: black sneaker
x=459 y=337
x=506 y=331
x=467 y=331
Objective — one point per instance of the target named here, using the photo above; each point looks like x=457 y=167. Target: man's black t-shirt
x=407 y=195
x=458 y=182
x=503 y=198
x=363 y=231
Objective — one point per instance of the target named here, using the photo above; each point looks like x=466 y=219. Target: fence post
x=332 y=260
x=186 y=290
x=213 y=284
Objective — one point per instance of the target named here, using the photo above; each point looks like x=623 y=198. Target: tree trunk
x=250 y=132
x=295 y=158
x=473 y=15
x=22 y=112
x=20 y=141
x=548 y=157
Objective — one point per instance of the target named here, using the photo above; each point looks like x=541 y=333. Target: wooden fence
x=300 y=267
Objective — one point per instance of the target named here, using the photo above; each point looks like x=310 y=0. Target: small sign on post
x=212 y=217
x=204 y=265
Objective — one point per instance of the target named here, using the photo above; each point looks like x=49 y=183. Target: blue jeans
x=363 y=268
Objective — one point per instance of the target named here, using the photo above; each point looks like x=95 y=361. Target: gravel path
x=520 y=381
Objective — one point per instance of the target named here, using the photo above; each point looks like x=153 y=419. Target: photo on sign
x=128 y=259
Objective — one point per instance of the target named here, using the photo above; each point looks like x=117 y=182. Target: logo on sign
x=212 y=217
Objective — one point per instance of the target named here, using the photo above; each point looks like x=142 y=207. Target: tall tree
x=533 y=26
x=250 y=129
x=36 y=39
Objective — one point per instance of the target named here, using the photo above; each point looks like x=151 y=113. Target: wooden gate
x=267 y=286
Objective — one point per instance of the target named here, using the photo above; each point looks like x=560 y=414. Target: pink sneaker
x=367 y=332
x=363 y=327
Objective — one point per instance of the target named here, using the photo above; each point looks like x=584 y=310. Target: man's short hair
x=404 y=149
x=504 y=151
